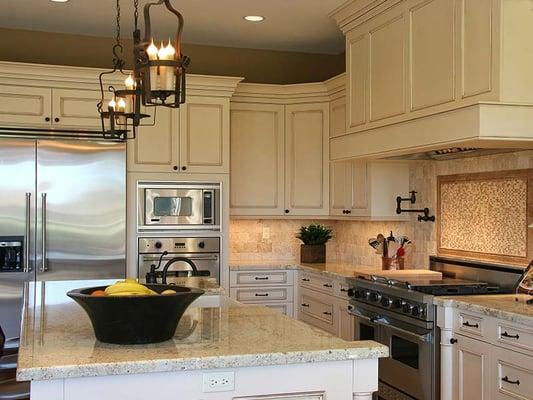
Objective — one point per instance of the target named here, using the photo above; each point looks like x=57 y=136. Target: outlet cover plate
x=219 y=382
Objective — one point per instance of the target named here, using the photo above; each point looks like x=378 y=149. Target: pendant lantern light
x=161 y=70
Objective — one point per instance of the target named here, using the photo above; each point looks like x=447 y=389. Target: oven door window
x=173 y=206
x=404 y=351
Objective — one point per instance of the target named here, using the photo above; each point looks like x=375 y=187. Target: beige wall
x=261 y=66
x=350 y=242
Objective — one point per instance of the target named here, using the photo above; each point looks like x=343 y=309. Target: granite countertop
x=57 y=340
x=332 y=269
x=508 y=307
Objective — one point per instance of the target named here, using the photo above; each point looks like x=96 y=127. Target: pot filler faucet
x=151 y=277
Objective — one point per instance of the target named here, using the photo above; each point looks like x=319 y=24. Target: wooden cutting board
x=408 y=274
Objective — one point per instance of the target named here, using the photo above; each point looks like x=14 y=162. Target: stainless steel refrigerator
x=62 y=215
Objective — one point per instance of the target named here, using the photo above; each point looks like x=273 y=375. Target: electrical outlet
x=266 y=233
x=219 y=382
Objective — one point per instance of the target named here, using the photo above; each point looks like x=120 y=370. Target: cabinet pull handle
x=328 y=285
x=306 y=279
x=468 y=324
x=287 y=211
x=344 y=290
x=453 y=341
x=506 y=379
x=305 y=305
x=348 y=211
x=344 y=211
x=259 y=278
x=261 y=295
x=184 y=168
x=175 y=167
x=47 y=119
x=505 y=334
x=326 y=313
x=56 y=119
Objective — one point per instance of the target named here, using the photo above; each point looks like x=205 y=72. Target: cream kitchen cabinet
x=424 y=73
x=367 y=189
x=471 y=367
x=484 y=357
x=257 y=159
x=271 y=288
x=46 y=107
x=192 y=139
x=280 y=159
x=307 y=159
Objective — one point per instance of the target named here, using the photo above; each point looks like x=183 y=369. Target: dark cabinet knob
x=453 y=341
x=201 y=245
x=158 y=245
x=287 y=211
x=56 y=119
x=175 y=167
x=184 y=168
x=47 y=119
x=305 y=305
x=348 y=211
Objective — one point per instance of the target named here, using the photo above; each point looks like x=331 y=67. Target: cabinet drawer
x=317 y=282
x=261 y=295
x=318 y=310
x=516 y=337
x=284 y=308
x=514 y=375
x=246 y=278
x=469 y=324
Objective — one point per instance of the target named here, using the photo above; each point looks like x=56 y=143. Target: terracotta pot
x=313 y=253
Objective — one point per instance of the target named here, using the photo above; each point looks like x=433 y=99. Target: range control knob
x=407 y=308
x=398 y=303
x=375 y=296
x=365 y=294
x=386 y=302
x=158 y=245
x=201 y=245
x=415 y=311
x=354 y=293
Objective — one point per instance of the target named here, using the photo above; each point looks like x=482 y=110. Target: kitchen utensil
x=374 y=243
x=135 y=319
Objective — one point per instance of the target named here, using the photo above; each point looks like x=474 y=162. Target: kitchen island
x=261 y=354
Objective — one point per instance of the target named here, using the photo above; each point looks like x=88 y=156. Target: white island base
x=340 y=380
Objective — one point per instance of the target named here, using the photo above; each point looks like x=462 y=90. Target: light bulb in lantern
x=168 y=77
x=162 y=52
x=130 y=83
x=112 y=104
x=170 y=50
x=121 y=105
x=152 y=51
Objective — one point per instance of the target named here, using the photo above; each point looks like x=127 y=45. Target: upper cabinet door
x=338 y=187
x=357 y=78
x=307 y=159
x=204 y=135
x=337 y=113
x=24 y=105
x=257 y=152
x=432 y=37
x=359 y=195
x=75 y=107
x=156 y=147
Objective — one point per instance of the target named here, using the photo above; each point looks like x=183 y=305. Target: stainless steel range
x=402 y=316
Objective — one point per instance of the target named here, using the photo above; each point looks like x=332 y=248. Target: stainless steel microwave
x=178 y=205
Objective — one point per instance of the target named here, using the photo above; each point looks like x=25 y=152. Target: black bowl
x=135 y=319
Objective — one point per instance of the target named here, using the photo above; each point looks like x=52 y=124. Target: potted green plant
x=314 y=238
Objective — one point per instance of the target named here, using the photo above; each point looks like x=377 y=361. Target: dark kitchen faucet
x=151 y=277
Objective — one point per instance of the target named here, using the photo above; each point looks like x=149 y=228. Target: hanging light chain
x=136 y=12
x=118 y=22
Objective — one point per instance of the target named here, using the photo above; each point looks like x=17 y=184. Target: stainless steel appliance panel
x=17 y=200
x=81 y=210
x=178 y=206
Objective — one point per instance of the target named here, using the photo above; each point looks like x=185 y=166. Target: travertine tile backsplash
x=350 y=241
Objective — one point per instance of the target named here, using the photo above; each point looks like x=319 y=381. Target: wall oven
x=178 y=205
x=409 y=371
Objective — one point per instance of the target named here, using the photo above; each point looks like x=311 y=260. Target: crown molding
x=61 y=76
x=353 y=13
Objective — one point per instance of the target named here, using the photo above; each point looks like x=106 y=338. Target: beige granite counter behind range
x=58 y=342
x=509 y=307
x=333 y=270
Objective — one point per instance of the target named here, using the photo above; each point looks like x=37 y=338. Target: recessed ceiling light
x=59 y=1
x=254 y=18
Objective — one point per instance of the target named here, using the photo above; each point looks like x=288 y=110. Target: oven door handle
x=422 y=338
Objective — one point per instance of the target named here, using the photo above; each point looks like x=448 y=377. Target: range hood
x=451 y=153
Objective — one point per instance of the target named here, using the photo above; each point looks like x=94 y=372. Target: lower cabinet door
x=472 y=369
x=319 y=310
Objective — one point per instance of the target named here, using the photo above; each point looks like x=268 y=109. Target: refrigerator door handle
x=44 y=266
x=27 y=233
